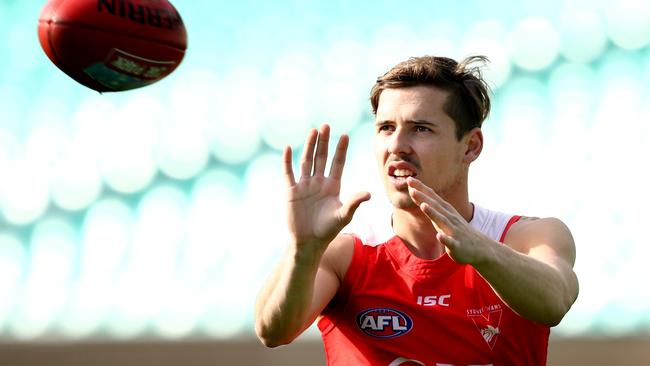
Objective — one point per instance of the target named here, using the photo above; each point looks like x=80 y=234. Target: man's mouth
x=403 y=173
x=398 y=172
x=401 y=169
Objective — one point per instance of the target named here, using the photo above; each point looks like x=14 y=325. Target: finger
x=438 y=219
x=338 y=161
x=417 y=184
x=307 y=159
x=420 y=198
x=288 y=166
x=447 y=240
x=348 y=209
x=320 y=159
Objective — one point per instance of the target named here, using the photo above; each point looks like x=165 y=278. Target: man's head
x=428 y=116
x=468 y=103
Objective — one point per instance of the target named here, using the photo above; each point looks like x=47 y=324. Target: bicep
x=549 y=241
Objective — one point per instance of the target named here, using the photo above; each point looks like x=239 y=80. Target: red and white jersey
x=396 y=309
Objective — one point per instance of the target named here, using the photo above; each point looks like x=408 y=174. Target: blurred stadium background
x=155 y=215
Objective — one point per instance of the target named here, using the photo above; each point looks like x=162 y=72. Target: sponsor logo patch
x=384 y=322
x=122 y=71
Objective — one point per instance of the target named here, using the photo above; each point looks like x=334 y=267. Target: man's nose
x=399 y=143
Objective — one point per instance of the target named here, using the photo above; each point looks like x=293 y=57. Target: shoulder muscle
x=532 y=234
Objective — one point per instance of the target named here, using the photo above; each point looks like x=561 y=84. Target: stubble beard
x=401 y=199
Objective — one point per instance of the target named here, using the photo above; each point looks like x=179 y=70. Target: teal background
x=158 y=212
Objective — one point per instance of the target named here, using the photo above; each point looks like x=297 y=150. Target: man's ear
x=473 y=144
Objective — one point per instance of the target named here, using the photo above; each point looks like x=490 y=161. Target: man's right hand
x=311 y=271
x=315 y=212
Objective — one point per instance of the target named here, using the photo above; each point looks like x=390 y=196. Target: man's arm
x=298 y=291
x=310 y=273
x=532 y=273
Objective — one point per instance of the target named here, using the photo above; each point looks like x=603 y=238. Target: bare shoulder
x=534 y=233
x=535 y=223
x=338 y=255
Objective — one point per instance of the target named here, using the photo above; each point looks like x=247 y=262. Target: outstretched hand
x=315 y=212
x=462 y=242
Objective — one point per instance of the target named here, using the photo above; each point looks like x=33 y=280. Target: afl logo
x=384 y=322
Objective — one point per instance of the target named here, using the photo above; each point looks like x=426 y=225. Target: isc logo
x=384 y=322
x=442 y=300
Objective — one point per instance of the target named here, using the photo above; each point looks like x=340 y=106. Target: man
x=457 y=284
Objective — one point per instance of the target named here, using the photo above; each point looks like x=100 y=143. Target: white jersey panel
x=490 y=223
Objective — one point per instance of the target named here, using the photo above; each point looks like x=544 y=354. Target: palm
x=314 y=207
x=315 y=211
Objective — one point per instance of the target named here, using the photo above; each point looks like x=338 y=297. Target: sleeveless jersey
x=394 y=308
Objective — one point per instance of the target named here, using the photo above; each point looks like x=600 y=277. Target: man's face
x=415 y=137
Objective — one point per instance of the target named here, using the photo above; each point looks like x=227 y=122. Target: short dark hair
x=468 y=103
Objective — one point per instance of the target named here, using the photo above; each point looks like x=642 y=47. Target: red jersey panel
x=396 y=309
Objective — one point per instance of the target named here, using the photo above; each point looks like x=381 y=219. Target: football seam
x=86 y=26
x=49 y=37
x=59 y=61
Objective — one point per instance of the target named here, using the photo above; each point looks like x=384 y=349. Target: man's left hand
x=463 y=243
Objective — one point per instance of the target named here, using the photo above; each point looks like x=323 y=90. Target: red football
x=113 y=45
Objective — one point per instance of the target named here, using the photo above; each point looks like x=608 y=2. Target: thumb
x=348 y=209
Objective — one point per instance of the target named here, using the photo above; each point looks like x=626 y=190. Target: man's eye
x=385 y=128
x=422 y=129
